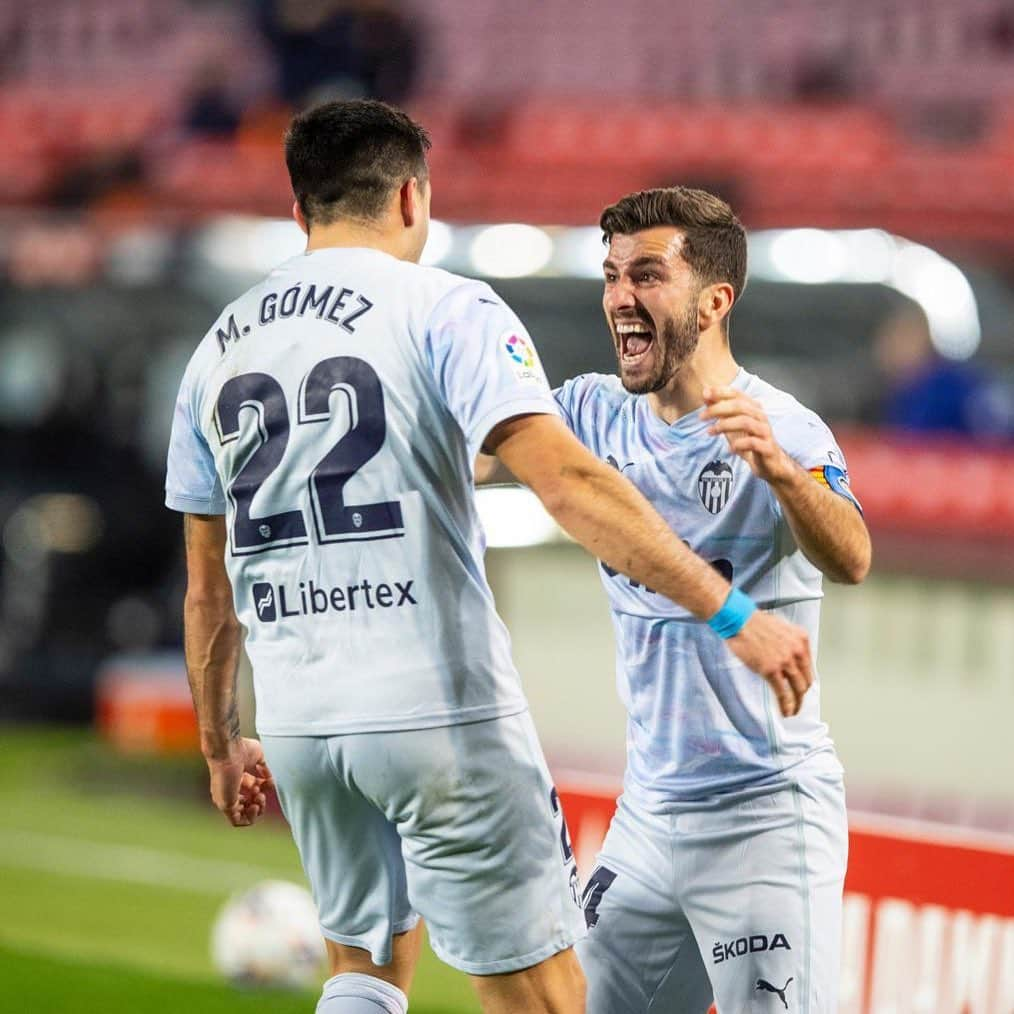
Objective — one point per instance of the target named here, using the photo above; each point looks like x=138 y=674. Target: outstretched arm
x=827 y=527
x=605 y=513
x=211 y=642
x=611 y=519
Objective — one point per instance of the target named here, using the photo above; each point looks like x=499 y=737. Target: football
x=268 y=936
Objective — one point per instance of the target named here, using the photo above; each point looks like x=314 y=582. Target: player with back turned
x=322 y=453
x=721 y=874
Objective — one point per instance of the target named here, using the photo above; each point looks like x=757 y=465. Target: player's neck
x=350 y=234
x=711 y=365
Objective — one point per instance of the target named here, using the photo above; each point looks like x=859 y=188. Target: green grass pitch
x=111 y=872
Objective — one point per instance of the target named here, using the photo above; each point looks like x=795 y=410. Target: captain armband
x=837 y=480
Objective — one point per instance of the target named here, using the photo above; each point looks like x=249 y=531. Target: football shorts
x=738 y=901
x=460 y=825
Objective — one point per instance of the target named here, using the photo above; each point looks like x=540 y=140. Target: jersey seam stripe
x=804 y=883
x=331 y=762
x=662 y=981
x=672 y=840
x=774 y=744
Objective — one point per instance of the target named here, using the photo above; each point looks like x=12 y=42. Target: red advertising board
x=928 y=923
x=926 y=484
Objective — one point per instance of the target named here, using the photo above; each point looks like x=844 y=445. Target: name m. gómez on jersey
x=332 y=414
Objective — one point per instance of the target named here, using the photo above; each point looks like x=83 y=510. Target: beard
x=675 y=343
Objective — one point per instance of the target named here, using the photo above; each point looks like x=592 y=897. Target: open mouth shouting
x=633 y=338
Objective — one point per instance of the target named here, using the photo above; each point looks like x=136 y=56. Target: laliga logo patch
x=523 y=359
x=714 y=485
x=520 y=351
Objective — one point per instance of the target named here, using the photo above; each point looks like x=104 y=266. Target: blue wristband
x=731 y=618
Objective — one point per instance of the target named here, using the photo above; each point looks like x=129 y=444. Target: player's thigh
x=640 y=954
x=405 y=949
x=488 y=863
x=350 y=852
x=763 y=891
x=553 y=986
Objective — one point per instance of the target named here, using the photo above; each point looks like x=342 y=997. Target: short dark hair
x=715 y=246
x=346 y=158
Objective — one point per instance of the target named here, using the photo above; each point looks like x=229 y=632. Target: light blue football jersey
x=699 y=722
x=333 y=414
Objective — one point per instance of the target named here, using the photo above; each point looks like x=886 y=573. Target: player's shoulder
x=798 y=429
x=426 y=277
x=589 y=401
x=456 y=296
x=598 y=388
x=232 y=323
x=226 y=329
x=781 y=407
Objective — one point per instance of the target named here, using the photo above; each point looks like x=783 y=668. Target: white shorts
x=460 y=825
x=739 y=902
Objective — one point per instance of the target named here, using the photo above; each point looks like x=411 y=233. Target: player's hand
x=780 y=653
x=239 y=781
x=746 y=428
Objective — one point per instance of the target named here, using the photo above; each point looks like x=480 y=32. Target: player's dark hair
x=715 y=245
x=345 y=159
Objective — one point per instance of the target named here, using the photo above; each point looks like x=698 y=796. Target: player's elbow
x=854 y=568
x=848 y=575
x=553 y=496
x=561 y=490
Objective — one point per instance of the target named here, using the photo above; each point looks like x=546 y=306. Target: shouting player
x=321 y=452
x=721 y=874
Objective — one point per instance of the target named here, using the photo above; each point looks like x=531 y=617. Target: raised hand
x=745 y=425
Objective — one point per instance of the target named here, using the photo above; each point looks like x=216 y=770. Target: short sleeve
x=484 y=363
x=807 y=439
x=192 y=484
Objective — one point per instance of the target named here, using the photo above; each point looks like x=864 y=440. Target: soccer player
x=322 y=453
x=721 y=874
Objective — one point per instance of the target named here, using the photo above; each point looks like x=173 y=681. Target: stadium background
x=868 y=147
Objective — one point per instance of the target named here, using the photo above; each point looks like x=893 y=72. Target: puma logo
x=768 y=988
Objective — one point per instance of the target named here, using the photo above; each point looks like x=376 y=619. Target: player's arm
x=211 y=641
x=489 y=470
x=827 y=527
x=612 y=520
x=605 y=513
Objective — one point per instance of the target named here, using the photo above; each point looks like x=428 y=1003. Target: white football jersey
x=333 y=413
x=700 y=722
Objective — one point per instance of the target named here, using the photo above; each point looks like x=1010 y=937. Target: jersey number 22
x=334 y=520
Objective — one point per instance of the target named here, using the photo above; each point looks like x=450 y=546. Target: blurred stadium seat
x=718 y=101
